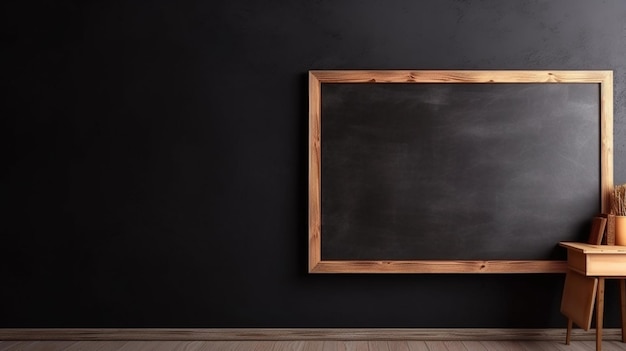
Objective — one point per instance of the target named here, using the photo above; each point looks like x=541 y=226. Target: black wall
x=156 y=156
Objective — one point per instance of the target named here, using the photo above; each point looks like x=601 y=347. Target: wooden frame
x=316 y=78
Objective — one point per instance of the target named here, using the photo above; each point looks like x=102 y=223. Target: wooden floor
x=307 y=345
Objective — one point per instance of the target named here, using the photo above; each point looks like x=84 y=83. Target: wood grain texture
x=378 y=345
x=609 y=265
x=315 y=196
x=436 y=345
x=622 y=298
x=610 y=229
x=317 y=77
x=297 y=345
x=578 y=298
x=118 y=345
x=467 y=76
x=6 y=345
x=39 y=345
x=254 y=334
x=313 y=346
x=359 y=345
x=606 y=143
x=454 y=346
x=596 y=260
x=594 y=249
x=399 y=345
x=427 y=266
x=606 y=346
x=474 y=345
x=415 y=345
x=599 y=313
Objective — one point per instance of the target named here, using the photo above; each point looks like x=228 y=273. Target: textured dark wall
x=156 y=156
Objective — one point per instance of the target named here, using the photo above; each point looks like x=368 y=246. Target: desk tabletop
x=593 y=249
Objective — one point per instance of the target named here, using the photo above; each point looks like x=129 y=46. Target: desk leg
x=622 y=300
x=599 y=313
x=568 y=335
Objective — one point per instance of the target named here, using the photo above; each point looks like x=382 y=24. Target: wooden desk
x=596 y=262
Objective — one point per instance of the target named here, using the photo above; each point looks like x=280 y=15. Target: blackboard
x=455 y=171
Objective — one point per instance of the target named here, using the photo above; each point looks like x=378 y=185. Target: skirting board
x=279 y=334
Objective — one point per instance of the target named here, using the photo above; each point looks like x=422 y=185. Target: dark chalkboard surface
x=481 y=171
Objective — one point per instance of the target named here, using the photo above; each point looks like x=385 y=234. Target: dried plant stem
x=619 y=200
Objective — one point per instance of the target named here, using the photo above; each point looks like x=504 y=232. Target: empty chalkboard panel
x=455 y=171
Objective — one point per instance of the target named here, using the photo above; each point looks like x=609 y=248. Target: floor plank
x=417 y=345
x=166 y=346
x=97 y=346
x=614 y=345
x=398 y=346
x=289 y=346
x=378 y=345
x=454 y=346
x=606 y=345
x=331 y=345
x=474 y=345
x=504 y=345
x=6 y=344
x=40 y=346
x=436 y=346
x=354 y=346
x=316 y=345
x=265 y=346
